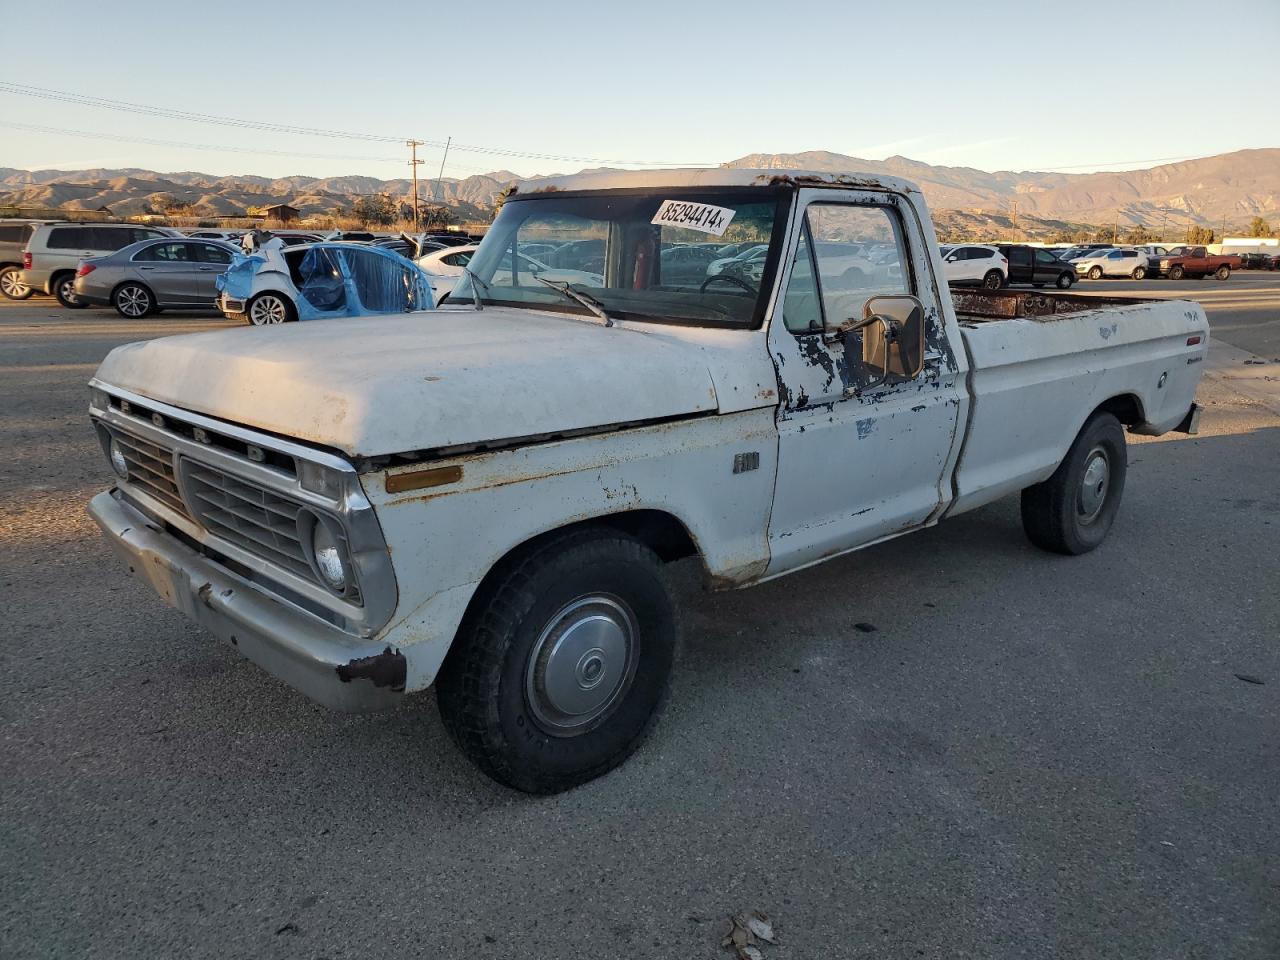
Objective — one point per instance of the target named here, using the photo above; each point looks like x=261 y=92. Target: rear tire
x=994 y=280
x=1095 y=273
x=1065 y=280
x=133 y=301
x=12 y=285
x=1073 y=510
x=1223 y=272
x=1176 y=272
x=561 y=666
x=270 y=308
x=64 y=289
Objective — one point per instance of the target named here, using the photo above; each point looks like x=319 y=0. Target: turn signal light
x=85 y=269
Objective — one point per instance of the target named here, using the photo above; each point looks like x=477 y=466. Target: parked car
x=977 y=264
x=1248 y=261
x=1195 y=262
x=485 y=502
x=319 y=281
x=14 y=235
x=54 y=251
x=230 y=236
x=1111 y=263
x=445 y=267
x=153 y=275
x=687 y=263
x=720 y=264
x=1036 y=266
x=1152 y=250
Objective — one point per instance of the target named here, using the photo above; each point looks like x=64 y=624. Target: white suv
x=55 y=250
x=975 y=263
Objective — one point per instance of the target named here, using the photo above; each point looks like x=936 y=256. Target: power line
x=125 y=106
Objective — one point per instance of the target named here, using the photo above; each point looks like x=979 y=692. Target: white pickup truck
x=483 y=497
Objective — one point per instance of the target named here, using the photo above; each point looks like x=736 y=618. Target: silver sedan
x=155 y=274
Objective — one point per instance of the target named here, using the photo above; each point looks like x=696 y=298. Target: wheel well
x=136 y=283
x=1126 y=408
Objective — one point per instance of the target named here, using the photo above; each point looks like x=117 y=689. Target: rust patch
x=386 y=669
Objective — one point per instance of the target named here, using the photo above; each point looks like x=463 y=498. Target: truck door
x=856 y=463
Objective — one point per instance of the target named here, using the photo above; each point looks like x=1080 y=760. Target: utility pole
x=413 y=146
x=436 y=195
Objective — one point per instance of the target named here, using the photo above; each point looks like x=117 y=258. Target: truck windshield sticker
x=702 y=217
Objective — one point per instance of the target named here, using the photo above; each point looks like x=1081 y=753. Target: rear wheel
x=1138 y=273
x=1095 y=273
x=64 y=289
x=1065 y=280
x=1073 y=510
x=1176 y=272
x=562 y=664
x=12 y=285
x=994 y=280
x=1222 y=272
x=133 y=300
x=269 y=308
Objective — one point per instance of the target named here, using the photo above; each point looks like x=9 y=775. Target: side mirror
x=951 y=259
x=887 y=344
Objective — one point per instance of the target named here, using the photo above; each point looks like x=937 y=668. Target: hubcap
x=1093 y=486
x=69 y=290
x=11 y=284
x=133 y=301
x=582 y=665
x=267 y=310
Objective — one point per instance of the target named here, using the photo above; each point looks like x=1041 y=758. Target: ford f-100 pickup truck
x=483 y=497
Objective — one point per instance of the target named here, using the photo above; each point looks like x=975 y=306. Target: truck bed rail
x=979 y=306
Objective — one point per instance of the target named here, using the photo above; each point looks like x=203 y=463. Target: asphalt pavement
x=950 y=745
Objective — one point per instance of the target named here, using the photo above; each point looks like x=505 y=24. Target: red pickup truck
x=1192 y=262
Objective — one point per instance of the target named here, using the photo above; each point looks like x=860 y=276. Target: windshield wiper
x=476 y=284
x=591 y=303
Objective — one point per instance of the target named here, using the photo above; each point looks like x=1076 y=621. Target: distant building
x=282 y=212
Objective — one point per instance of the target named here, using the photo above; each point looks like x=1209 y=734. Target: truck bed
x=983 y=306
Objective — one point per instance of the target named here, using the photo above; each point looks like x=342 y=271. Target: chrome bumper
x=328 y=665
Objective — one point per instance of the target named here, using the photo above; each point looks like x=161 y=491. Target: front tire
x=270 y=308
x=133 y=301
x=64 y=290
x=1073 y=510
x=12 y=285
x=1176 y=272
x=994 y=280
x=562 y=664
x=1065 y=280
x=1139 y=273
x=1095 y=273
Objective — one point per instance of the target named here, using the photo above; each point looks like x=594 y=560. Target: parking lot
x=949 y=745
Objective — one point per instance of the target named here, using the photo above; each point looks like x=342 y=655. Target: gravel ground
x=951 y=745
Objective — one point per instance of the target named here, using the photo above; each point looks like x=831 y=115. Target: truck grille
x=151 y=469
x=252 y=518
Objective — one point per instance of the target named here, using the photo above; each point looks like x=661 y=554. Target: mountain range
x=1232 y=186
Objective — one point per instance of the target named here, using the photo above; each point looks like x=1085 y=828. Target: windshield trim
x=784 y=202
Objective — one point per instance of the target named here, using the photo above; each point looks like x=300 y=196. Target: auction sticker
x=702 y=217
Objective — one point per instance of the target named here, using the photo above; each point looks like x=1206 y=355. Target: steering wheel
x=729 y=278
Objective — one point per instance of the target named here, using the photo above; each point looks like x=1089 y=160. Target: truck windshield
x=651 y=256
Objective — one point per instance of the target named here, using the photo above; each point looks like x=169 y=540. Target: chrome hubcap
x=69 y=290
x=582 y=665
x=133 y=301
x=11 y=284
x=1093 y=486
x=267 y=310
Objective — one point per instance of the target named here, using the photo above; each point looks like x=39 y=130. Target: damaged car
x=317 y=281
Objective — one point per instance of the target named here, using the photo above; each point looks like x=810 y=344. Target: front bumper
x=330 y=666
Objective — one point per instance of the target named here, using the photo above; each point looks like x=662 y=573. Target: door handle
x=205 y=269
x=146 y=268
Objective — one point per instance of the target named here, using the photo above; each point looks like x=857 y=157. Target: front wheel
x=994 y=280
x=1065 y=280
x=1176 y=272
x=1138 y=273
x=1095 y=273
x=64 y=290
x=12 y=285
x=1223 y=272
x=269 y=308
x=562 y=663
x=1073 y=510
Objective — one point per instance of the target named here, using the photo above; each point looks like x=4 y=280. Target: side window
x=68 y=238
x=841 y=234
x=457 y=259
x=1021 y=256
x=164 y=253
x=1115 y=255
x=1045 y=258
x=210 y=253
x=1130 y=254
x=801 y=306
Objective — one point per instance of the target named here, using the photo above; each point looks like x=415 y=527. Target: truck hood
x=393 y=384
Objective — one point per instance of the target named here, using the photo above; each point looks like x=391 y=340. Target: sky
x=558 y=86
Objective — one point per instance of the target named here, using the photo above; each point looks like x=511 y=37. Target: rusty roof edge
x=711 y=177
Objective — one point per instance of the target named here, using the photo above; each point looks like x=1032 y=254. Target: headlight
x=118 y=463
x=328 y=553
